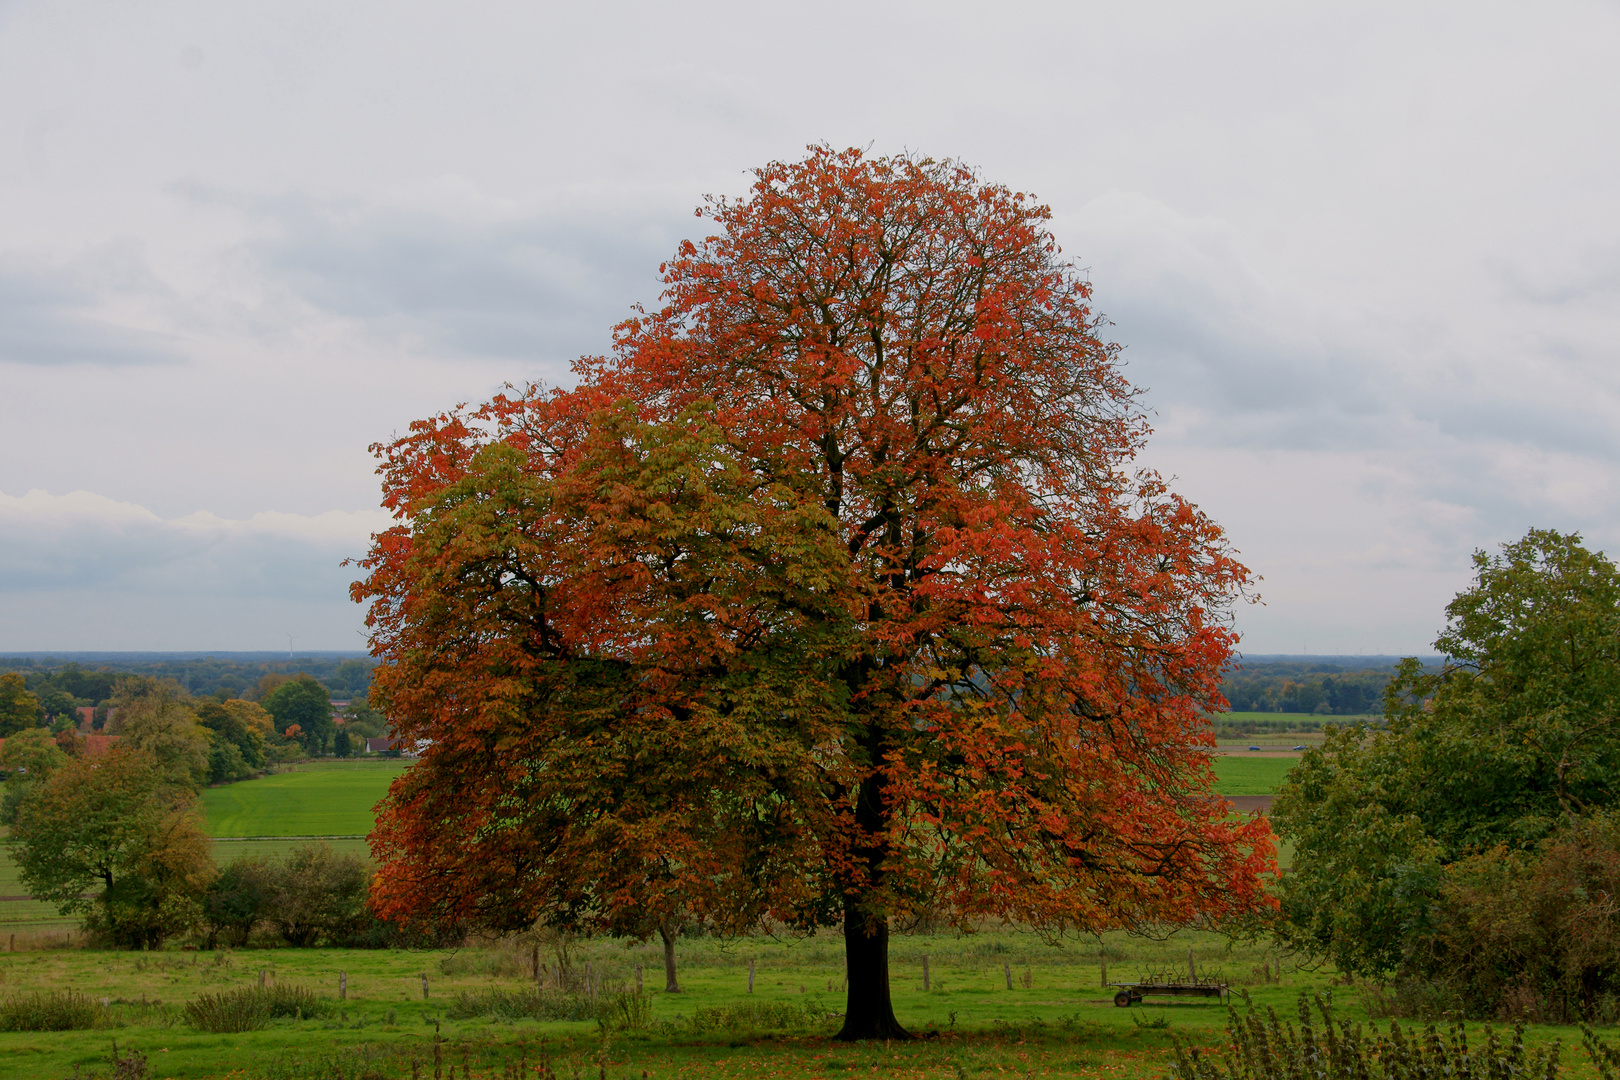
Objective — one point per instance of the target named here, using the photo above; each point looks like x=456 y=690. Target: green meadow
x=1054 y=1020
x=1237 y=775
x=319 y=799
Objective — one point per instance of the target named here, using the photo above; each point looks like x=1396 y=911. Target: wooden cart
x=1129 y=992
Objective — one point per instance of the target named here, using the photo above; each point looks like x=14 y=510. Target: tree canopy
x=1513 y=738
x=831 y=597
x=303 y=702
x=116 y=839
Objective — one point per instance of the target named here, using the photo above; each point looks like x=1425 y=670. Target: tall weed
x=1262 y=1047
x=51 y=1010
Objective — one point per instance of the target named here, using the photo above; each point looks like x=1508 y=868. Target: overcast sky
x=1365 y=259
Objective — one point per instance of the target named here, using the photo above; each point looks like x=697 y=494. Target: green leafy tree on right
x=1511 y=744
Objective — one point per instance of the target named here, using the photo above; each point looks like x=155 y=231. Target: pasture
x=319 y=799
x=1055 y=1019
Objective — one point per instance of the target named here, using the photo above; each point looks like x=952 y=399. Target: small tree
x=156 y=716
x=115 y=840
x=304 y=702
x=19 y=709
x=239 y=899
x=319 y=895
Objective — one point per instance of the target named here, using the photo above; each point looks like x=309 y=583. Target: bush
x=320 y=895
x=760 y=1016
x=54 y=1010
x=1532 y=935
x=524 y=1005
x=1264 y=1048
x=251 y=1007
x=237 y=900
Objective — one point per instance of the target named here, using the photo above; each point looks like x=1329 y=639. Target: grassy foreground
x=1055 y=1020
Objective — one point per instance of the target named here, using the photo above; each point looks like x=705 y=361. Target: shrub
x=524 y=1005
x=1264 y=1048
x=53 y=1010
x=237 y=899
x=760 y=1016
x=1530 y=935
x=320 y=894
x=251 y=1007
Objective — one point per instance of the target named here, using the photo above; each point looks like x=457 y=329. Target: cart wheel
x=1122 y=999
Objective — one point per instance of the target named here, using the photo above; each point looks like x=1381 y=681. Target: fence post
x=424 y=988
x=343 y=986
x=750 y=976
x=638 y=980
x=1006 y=969
x=925 y=972
x=1192 y=971
x=261 y=977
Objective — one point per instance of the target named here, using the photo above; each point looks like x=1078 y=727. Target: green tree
x=319 y=895
x=27 y=759
x=238 y=900
x=1513 y=737
x=156 y=715
x=118 y=825
x=228 y=725
x=19 y=710
x=304 y=702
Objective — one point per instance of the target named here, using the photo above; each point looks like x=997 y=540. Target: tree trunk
x=868 y=1011
x=667 y=930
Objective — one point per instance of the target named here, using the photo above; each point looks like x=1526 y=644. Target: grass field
x=321 y=799
x=1250 y=775
x=1055 y=1021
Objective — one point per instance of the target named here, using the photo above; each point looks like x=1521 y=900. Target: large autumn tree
x=830 y=597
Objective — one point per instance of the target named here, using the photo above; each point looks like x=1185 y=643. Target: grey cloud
x=543 y=287
x=47 y=318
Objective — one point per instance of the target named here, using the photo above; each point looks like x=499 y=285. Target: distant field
x=1251 y=775
x=333 y=800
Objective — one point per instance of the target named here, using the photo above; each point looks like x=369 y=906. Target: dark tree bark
x=868 y=1010
x=667 y=930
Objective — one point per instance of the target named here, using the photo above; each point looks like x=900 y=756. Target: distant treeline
x=60 y=683
x=1336 y=686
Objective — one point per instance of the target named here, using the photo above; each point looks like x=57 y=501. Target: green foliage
x=156 y=716
x=319 y=895
x=113 y=840
x=760 y=1016
x=1531 y=935
x=1262 y=1047
x=250 y=1008
x=237 y=900
x=230 y=725
x=1516 y=734
x=302 y=702
x=51 y=1010
x=19 y=709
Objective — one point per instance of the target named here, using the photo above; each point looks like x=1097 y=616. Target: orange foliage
x=831 y=596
